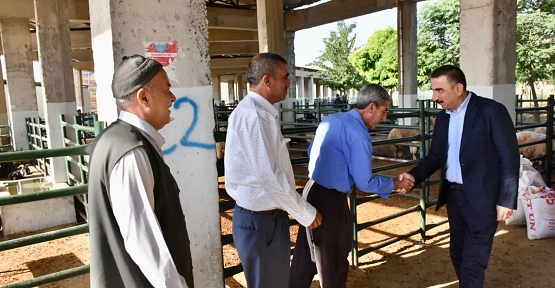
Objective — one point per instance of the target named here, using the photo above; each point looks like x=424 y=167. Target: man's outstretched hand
x=403 y=183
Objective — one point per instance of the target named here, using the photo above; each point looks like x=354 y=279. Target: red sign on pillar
x=163 y=52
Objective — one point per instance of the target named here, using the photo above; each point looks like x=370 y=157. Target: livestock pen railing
x=79 y=136
x=6 y=143
x=529 y=116
x=37 y=140
x=38 y=196
x=78 y=164
x=547 y=156
x=221 y=115
x=311 y=114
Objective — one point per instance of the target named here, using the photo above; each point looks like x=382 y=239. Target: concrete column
x=78 y=80
x=324 y=91
x=245 y=85
x=408 y=84
x=3 y=107
x=216 y=89
x=90 y=85
x=240 y=87
x=488 y=49
x=310 y=86
x=57 y=74
x=290 y=52
x=271 y=30
x=231 y=91
x=121 y=27
x=22 y=96
x=301 y=88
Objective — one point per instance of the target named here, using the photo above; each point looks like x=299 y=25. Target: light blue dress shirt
x=456 y=125
x=341 y=156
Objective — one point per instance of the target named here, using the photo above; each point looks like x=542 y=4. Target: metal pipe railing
x=50 y=194
x=43 y=237
x=50 y=278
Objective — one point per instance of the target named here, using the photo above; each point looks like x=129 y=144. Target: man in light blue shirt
x=340 y=157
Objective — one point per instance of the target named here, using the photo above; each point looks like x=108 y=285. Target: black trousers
x=332 y=241
x=471 y=238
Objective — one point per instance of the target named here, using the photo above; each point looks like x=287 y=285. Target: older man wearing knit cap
x=137 y=228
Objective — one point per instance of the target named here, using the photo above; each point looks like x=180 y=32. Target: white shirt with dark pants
x=260 y=178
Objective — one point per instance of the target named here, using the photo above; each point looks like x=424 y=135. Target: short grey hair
x=126 y=101
x=371 y=93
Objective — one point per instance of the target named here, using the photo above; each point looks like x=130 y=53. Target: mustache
x=438 y=101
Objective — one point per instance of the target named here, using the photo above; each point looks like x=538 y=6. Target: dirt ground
x=515 y=262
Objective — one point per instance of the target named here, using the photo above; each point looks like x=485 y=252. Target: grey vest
x=111 y=265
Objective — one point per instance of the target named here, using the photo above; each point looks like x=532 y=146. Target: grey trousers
x=332 y=242
x=263 y=243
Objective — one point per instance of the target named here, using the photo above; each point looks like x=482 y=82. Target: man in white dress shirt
x=259 y=176
x=138 y=235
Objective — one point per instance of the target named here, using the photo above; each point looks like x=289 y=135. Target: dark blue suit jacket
x=489 y=156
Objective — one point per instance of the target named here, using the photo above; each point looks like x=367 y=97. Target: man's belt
x=277 y=212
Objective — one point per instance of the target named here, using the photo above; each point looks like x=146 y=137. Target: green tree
x=528 y=6
x=535 y=47
x=336 y=70
x=438 y=38
x=377 y=60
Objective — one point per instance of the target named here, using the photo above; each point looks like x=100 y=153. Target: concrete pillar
x=488 y=49
x=231 y=91
x=324 y=91
x=310 y=86
x=3 y=110
x=216 y=89
x=301 y=88
x=88 y=86
x=3 y=107
x=291 y=97
x=408 y=84
x=245 y=85
x=271 y=30
x=78 y=80
x=57 y=74
x=290 y=52
x=22 y=96
x=121 y=27
x=240 y=87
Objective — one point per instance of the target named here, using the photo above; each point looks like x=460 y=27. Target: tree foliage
x=439 y=44
x=535 y=43
x=336 y=70
x=377 y=60
x=528 y=6
x=438 y=37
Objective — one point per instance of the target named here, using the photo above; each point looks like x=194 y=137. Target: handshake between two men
x=403 y=183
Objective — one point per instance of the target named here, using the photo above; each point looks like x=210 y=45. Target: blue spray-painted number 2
x=185 y=139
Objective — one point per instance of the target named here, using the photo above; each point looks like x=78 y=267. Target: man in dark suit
x=475 y=146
